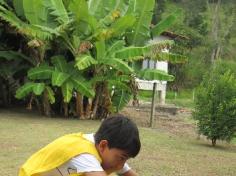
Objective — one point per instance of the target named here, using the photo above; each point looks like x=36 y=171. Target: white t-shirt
x=81 y=163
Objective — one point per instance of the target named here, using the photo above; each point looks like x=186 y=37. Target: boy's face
x=113 y=159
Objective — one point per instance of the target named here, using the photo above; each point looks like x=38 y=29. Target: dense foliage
x=76 y=56
x=215 y=109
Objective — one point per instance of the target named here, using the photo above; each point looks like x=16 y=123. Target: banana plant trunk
x=4 y=95
x=46 y=104
x=213 y=141
x=88 y=107
x=29 y=105
x=66 y=109
x=9 y=95
x=79 y=106
x=104 y=103
x=99 y=88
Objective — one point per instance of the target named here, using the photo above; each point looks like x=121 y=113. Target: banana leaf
x=60 y=63
x=59 y=78
x=67 y=89
x=84 y=61
x=51 y=94
x=83 y=87
x=166 y=23
x=38 y=88
x=118 y=65
x=141 y=29
x=41 y=72
x=153 y=74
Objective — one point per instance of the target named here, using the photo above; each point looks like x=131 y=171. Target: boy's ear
x=103 y=144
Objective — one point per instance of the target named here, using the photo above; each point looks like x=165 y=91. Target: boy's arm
x=130 y=173
x=95 y=174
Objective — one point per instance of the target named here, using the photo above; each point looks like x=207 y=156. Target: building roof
x=173 y=35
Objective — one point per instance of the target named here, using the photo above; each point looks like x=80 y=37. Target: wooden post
x=153 y=104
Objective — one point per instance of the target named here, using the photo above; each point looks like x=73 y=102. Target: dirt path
x=180 y=124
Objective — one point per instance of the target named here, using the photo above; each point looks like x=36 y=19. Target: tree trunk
x=1 y=93
x=66 y=111
x=213 y=142
x=29 y=106
x=46 y=104
x=215 y=32
x=4 y=94
x=107 y=101
x=9 y=94
x=38 y=104
x=104 y=103
x=134 y=88
x=96 y=100
x=87 y=107
x=79 y=106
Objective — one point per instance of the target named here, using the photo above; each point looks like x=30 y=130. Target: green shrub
x=215 y=106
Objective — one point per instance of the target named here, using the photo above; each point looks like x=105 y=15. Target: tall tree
x=222 y=17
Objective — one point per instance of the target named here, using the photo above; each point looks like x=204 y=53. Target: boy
x=79 y=154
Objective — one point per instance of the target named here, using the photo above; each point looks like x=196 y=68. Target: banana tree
x=108 y=72
x=111 y=70
x=122 y=27
x=103 y=38
x=16 y=14
x=39 y=22
x=12 y=65
x=62 y=75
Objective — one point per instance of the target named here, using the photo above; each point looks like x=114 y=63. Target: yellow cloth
x=58 y=152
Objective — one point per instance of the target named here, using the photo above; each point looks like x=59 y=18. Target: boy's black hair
x=121 y=133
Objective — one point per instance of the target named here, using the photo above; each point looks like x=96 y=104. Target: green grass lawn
x=184 y=98
x=162 y=153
